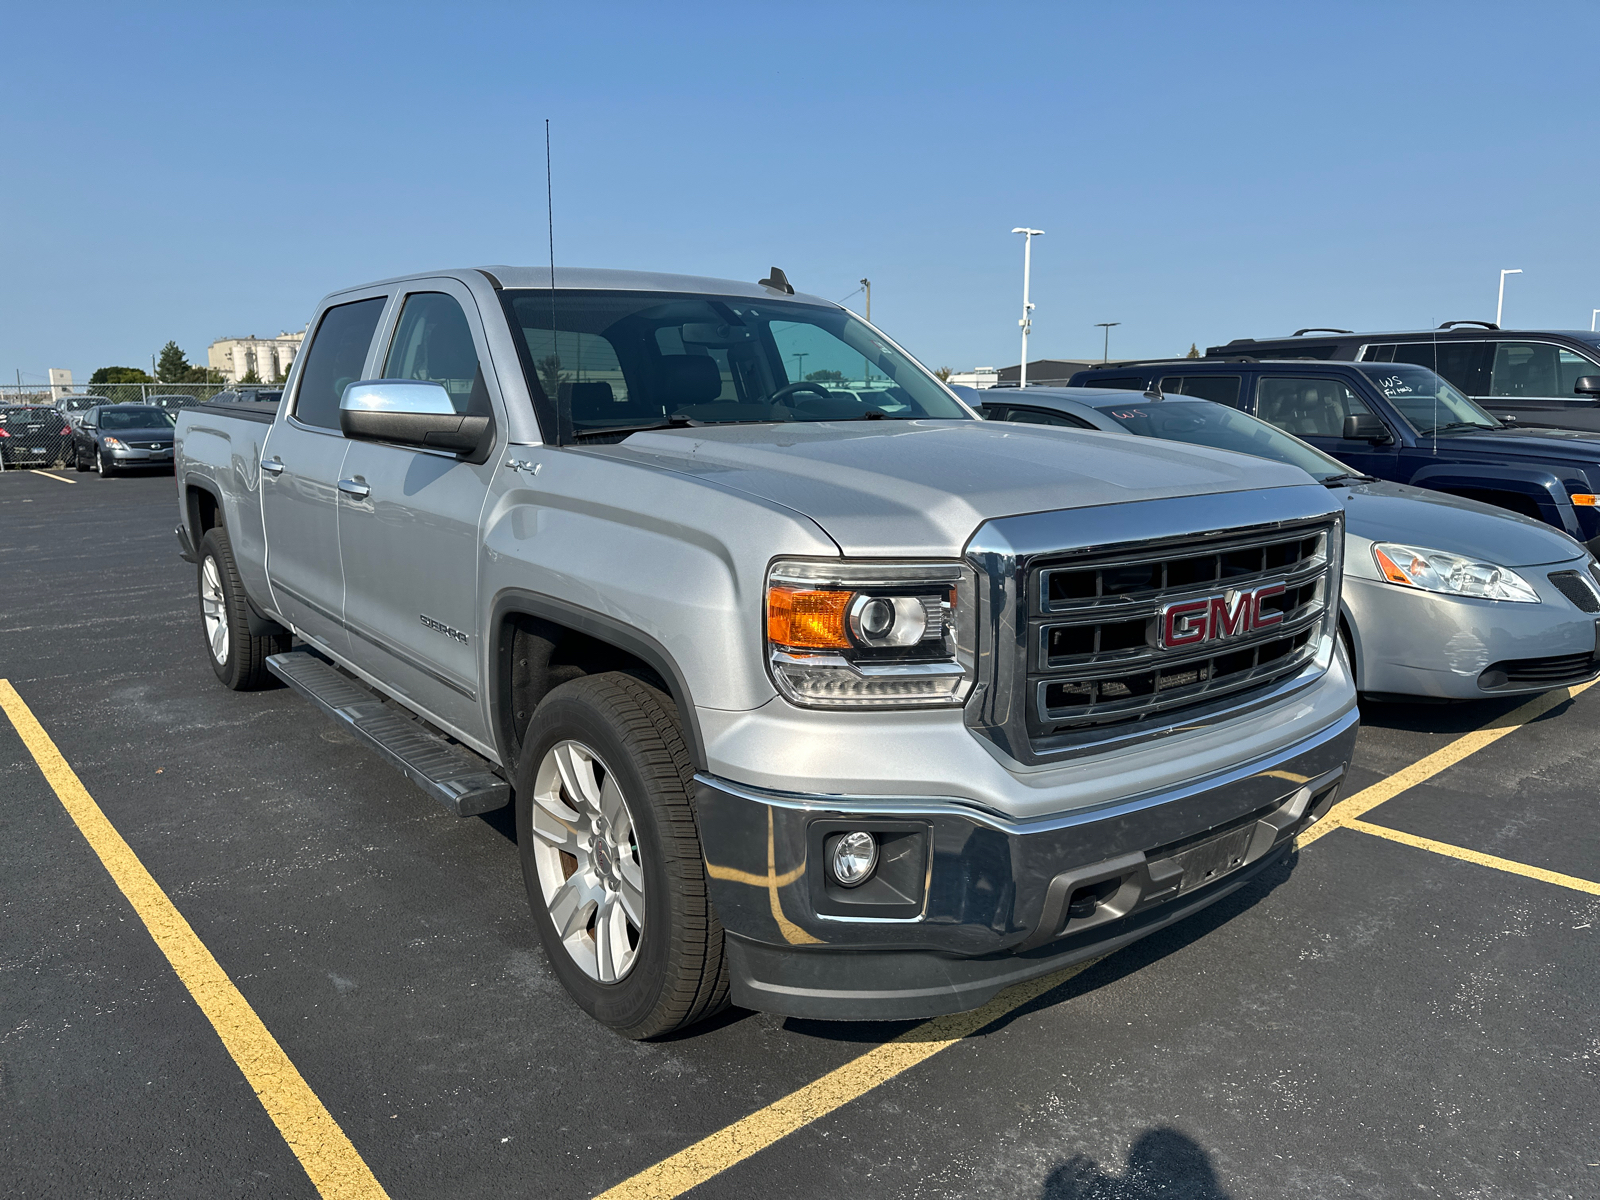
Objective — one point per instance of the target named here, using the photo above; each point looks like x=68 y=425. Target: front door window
x=1307 y=406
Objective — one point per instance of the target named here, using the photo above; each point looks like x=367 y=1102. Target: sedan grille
x=1578 y=588
x=1119 y=638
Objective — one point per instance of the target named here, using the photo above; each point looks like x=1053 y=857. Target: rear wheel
x=238 y=657
x=611 y=857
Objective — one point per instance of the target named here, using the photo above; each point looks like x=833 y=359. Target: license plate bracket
x=1210 y=860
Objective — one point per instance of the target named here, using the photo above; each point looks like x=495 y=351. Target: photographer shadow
x=1163 y=1164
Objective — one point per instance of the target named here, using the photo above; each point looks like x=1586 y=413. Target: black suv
x=1544 y=377
x=1397 y=421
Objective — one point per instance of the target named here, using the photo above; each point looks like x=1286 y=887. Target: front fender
x=1545 y=488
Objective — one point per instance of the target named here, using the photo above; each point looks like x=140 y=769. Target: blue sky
x=1201 y=171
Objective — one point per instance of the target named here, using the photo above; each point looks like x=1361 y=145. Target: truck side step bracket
x=453 y=775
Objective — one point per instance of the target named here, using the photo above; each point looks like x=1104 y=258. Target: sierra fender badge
x=441 y=627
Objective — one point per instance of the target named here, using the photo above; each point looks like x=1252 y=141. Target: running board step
x=453 y=775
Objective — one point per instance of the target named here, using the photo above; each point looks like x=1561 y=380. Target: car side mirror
x=1587 y=385
x=411 y=412
x=1364 y=427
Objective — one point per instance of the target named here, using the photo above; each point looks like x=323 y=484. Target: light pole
x=1107 y=326
x=799 y=365
x=1592 y=316
x=1500 y=307
x=1027 y=322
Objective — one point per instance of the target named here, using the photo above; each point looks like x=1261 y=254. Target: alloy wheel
x=214 y=610
x=587 y=856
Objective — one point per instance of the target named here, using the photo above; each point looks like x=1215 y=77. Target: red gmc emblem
x=1192 y=622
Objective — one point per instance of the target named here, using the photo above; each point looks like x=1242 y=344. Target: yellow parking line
x=48 y=475
x=711 y=1156
x=334 y=1165
x=1473 y=856
x=1424 y=769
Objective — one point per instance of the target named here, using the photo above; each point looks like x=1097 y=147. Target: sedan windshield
x=136 y=418
x=621 y=361
x=1428 y=402
x=1205 y=424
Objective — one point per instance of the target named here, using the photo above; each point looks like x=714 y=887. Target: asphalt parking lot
x=1380 y=1018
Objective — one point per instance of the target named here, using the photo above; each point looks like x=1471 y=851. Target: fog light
x=854 y=857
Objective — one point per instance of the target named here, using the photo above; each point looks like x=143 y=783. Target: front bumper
x=975 y=902
x=1416 y=643
x=130 y=457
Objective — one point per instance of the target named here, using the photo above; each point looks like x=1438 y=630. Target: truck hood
x=903 y=488
x=1395 y=512
x=1551 y=445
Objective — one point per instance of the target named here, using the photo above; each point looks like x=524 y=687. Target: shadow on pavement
x=1161 y=1163
x=1455 y=717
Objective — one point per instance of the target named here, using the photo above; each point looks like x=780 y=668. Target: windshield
x=1207 y=424
x=136 y=418
x=1427 y=401
x=627 y=359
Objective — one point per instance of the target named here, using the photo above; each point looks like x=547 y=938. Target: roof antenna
x=778 y=281
x=1153 y=392
x=563 y=413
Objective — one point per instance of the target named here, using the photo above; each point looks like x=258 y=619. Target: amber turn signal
x=807 y=619
x=1583 y=499
x=1391 y=572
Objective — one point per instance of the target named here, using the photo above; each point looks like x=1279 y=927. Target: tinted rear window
x=1128 y=383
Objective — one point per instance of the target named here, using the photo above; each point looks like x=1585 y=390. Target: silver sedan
x=1443 y=597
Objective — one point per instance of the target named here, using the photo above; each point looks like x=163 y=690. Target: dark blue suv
x=1398 y=421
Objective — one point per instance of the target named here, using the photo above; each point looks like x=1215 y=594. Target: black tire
x=679 y=974
x=77 y=458
x=242 y=665
x=101 y=465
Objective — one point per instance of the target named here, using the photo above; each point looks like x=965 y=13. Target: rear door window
x=337 y=356
x=1222 y=389
x=1130 y=383
x=1307 y=406
x=1037 y=416
x=1465 y=364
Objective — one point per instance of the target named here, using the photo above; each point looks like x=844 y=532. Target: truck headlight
x=1451 y=574
x=870 y=634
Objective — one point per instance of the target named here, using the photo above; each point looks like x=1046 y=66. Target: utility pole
x=799 y=365
x=1105 y=354
x=1500 y=307
x=867 y=283
x=1027 y=321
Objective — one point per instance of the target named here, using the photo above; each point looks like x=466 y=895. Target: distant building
x=269 y=358
x=978 y=377
x=60 y=382
x=1054 y=371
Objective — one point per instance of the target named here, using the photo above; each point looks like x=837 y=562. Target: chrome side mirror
x=412 y=412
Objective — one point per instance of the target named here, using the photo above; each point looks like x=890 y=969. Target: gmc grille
x=1095 y=654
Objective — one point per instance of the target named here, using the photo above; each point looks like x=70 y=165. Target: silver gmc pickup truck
x=812 y=691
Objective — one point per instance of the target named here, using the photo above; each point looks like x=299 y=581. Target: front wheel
x=101 y=464
x=611 y=857
x=78 y=460
x=238 y=657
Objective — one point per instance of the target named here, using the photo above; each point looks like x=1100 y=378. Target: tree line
x=172 y=366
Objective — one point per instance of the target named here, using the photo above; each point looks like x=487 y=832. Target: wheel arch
x=537 y=642
x=1543 y=490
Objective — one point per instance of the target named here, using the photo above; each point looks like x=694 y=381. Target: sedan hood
x=903 y=488
x=1395 y=512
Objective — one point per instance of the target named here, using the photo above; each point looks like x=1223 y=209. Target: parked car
x=1400 y=422
x=115 y=437
x=777 y=677
x=72 y=407
x=32 y=435
x=245 y=394
x=171 y=402
x=1548 y=378
x=1443 y=597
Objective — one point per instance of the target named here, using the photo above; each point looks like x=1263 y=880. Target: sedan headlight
x=870 y=635
x=1451 y=574
x=114 y=444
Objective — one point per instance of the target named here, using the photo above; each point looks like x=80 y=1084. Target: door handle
x=273 y=467
x=354 y=489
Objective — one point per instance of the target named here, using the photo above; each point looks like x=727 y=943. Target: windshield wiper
x=1449 y=425
x=669 y=423
x=1344 y=478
